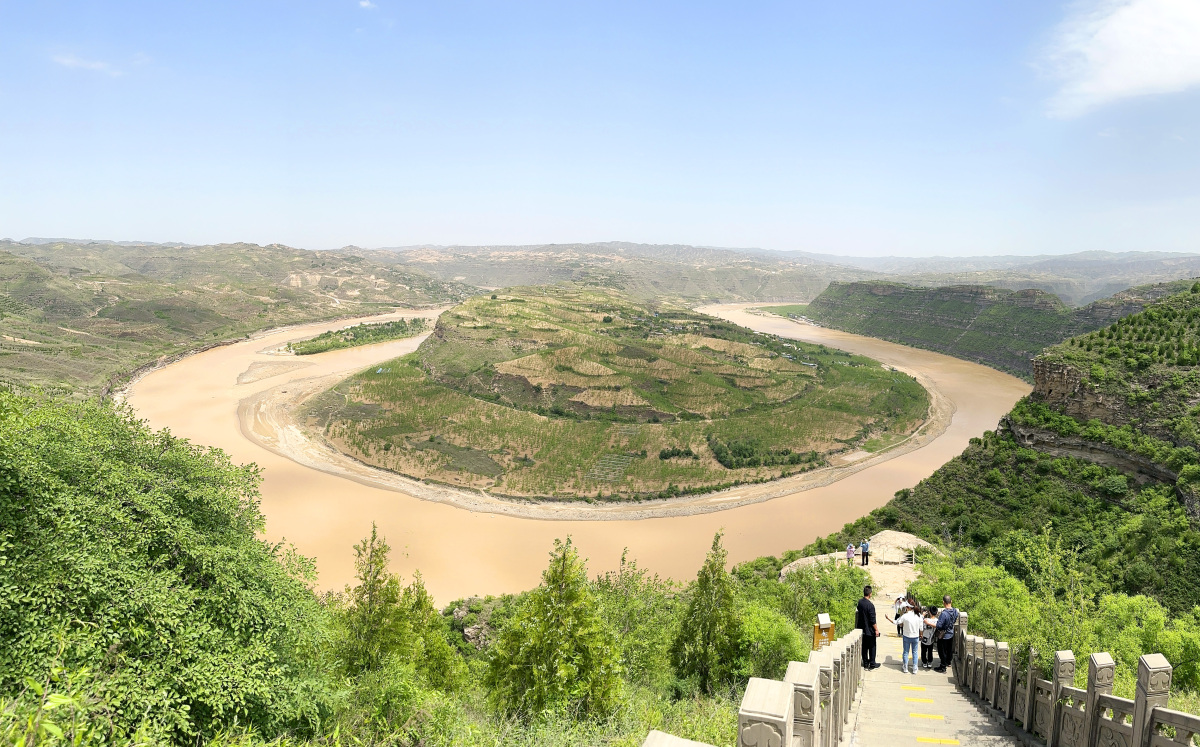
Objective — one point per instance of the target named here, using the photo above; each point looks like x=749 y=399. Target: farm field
x=580 y=393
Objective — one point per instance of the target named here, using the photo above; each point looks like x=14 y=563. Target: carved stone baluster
x=1002 y=694
x=805 y=680
x=958 y=658
x=824 y=664
x=977 y=682
x=765 y=717
x=1101 y=671
x=989 y=671
x=1153 y=685
x=1030 y=692
x=1063 y=675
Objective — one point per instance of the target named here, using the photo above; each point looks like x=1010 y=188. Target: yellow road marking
x=912 y=687
x=918 y=700
x=933 y=740
x=932 y=716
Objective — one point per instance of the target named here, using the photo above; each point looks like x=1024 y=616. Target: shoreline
x=266 y=420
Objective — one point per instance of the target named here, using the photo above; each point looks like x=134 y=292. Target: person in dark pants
x=864 y=620
x=944 y=632
x=865 y=550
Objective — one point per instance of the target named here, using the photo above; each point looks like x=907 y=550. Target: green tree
x=556 y=654
x=641 y=609
x=707 y=646
x=375 y=623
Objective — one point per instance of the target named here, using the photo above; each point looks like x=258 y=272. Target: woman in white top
x=911 y=623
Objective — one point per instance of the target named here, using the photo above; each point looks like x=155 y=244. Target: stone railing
x=1055 y=713
x=810 y=707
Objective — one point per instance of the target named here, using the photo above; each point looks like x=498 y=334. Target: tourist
x=850 y=554
x=864 y=620
x=865 y=551
x=944 y=633
x=899 y=607
x=928 y=642
x=911 y=623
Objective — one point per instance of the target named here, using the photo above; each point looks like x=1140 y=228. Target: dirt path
x=324 y=506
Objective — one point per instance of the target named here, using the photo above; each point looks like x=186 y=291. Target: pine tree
x=556 y=653
x=376 y=625
x=707 y=645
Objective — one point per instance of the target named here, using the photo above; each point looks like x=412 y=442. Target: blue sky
x=872 y=127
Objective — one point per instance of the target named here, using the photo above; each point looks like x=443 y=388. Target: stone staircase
x=985 y=699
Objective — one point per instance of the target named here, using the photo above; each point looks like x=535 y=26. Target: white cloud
x=1109 y=50
x=70 y=60
x=367 y=4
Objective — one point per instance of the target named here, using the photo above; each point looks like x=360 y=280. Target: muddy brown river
x=324 y=508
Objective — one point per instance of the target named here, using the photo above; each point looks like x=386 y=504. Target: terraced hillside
x=999 y=328
x=1105 y=453
x=578 y=392
x=78 y=318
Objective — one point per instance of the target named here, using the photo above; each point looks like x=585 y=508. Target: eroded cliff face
x=1063 y=387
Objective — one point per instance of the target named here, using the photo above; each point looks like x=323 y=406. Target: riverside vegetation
x=359 y=334
x=1000 y=328
x=576 y=392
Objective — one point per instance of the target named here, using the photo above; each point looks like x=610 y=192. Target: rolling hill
x=997 y=327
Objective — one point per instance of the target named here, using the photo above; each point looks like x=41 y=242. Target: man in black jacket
x=864 y=620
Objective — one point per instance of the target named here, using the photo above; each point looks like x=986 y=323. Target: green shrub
x=132 y=558
x=556 y=654
x=708 y=644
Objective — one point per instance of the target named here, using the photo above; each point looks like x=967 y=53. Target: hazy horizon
x=1018 y=128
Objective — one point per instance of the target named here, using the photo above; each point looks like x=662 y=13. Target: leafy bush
x=769 y=640
x=132 y=558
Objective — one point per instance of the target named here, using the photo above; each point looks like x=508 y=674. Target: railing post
x=959 y=640
x=806 y=703
x=1064 y=675
x=765 y=717
x=824 y=662
x=839 y=685
x=989 y=671
x=966 y=653
x=1030 y=691
x=1153 y=685
x=1002 y=692
x=977 y=685
x=1101 y=671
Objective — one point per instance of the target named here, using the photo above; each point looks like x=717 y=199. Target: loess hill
x=572 y=392
x=78 y=318
x=1105 y=453
x=1000 y=328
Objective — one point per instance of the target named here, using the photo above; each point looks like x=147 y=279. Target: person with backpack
x=928 y=637
x=944 y=634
